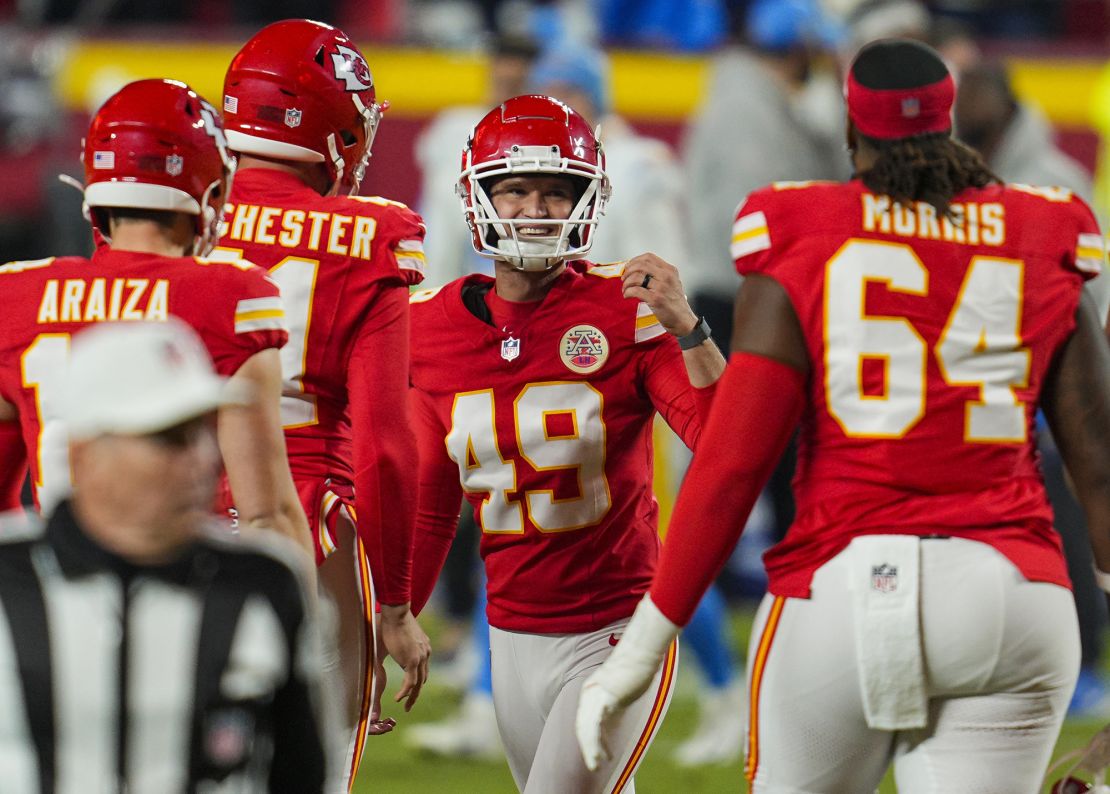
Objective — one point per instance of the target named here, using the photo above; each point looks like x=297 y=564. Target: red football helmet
x=301 y=90
x=532 y=134
x=158 y=145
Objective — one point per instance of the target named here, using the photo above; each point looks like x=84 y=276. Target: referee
x=141 y=648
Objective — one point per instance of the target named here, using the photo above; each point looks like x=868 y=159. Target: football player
x=301 y=112
x=535 y=392
x=157 y=172
x=913 y=319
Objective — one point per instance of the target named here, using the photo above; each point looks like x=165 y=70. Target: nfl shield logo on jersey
x=174 y=164
x=292 y=117
x=884 y=578
x=510 y=348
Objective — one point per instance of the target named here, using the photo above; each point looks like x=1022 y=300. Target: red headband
x=887 y=113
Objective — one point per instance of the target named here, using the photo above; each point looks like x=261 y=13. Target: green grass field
x=389 y=766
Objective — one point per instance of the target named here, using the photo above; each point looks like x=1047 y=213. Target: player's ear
x=851 y=136
x=852 y=144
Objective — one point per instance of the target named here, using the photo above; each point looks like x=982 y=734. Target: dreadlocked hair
x=932 y=167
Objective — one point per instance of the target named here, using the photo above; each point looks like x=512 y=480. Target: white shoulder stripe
x=1090 y=240
x=258 y=304
x=649 y=332
x=749 y=235
x=746 y=223
x=410 y=245
x=1090 y=252
x=1089 y=264
x=410 y=261
x=750 y=245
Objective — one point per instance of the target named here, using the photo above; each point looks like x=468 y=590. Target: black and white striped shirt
x=197 y=676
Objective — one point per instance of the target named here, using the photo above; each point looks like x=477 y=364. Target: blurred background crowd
x=699 y=102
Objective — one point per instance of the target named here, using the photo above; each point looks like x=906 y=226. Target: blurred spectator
x=746 y=134
x=1014 y=137
x=883 y=19
x=1007 y=18
x=439 y=151
x=664 y=24
x=955 y=43
x=31 y=132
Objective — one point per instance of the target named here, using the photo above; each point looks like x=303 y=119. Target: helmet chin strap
x=208 y=225
x=530 y=255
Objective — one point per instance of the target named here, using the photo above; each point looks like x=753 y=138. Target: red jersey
x=545 y=424
x=929 y=341
x=344 y=265
x=235 y=308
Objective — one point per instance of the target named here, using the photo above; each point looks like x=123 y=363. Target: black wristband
x=700 y=333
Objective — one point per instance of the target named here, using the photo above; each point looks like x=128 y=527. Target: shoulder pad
x=424 y=295
x=28 y=264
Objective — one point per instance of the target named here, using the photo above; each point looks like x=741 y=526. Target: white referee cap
x=139 y=378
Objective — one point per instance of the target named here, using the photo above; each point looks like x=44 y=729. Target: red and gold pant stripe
x=759 y=665
x=367 y=586
x=666 y=681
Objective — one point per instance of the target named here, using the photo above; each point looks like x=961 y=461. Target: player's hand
x=378 y=726
x=596 y=707
x=624 y=676
x=407 y=643
x=655 y=282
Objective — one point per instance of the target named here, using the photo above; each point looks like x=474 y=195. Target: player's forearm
x=1076 y=402
x=386 y=507
x=758 y=404
x=704 y=365
x=384 y=444
x=430 y=549
x=286 y=518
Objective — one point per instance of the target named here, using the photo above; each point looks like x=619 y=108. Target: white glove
x=623 y=677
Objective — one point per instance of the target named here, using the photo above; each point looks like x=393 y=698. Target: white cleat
x=719 y=737
x=470 y=733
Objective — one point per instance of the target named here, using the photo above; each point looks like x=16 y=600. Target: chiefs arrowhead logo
x=351 y=68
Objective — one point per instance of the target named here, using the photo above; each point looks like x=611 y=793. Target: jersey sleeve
x=754 y=234
x=1086 y=253
x=668 y=387
x=257 y=318
x=438 y=500
x=383 y=443
x=401 y=241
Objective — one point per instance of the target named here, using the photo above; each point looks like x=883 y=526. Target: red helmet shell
x=301 y=90
x=534 y=134
x=157 y=144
